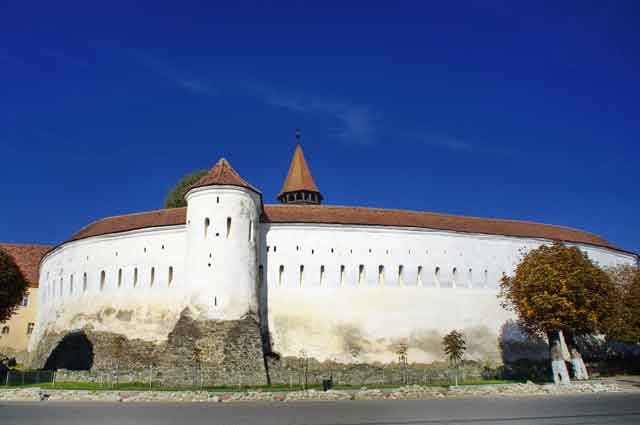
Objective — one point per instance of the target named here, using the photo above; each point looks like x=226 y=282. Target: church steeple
x=299 y=186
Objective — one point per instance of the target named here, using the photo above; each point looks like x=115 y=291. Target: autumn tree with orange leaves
x=558 y=288
x=623 y=324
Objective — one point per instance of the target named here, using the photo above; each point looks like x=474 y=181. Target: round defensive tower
x=223 y=222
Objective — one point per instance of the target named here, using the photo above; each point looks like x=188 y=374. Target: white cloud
x=354 y=123
x=180 y=78
x=453 y=144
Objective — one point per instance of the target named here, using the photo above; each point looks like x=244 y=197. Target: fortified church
x=231 y=285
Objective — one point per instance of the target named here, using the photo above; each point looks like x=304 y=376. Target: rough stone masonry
x=201 y=352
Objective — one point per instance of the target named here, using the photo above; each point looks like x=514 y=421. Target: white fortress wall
x=351 y=293
x=336 y=290
x=222 y=249
x=131 y=283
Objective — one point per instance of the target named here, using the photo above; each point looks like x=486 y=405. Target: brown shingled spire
x=299 y=186
x=223 y=174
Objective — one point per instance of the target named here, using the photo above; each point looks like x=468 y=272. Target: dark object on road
x=327 y=384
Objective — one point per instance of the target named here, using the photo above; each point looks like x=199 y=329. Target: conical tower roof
x=223 y=174
x=299 y=177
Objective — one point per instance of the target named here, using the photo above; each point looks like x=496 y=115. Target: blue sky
x=522 y=110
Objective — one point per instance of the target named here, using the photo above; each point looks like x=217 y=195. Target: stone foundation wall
x=292 y=370
x=196 y=352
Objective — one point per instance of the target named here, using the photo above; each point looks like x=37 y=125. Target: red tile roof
x=324 y=214
x=299 y=177
x=127 y=222
x=223 y=174
x=327 y=214
x=27 y=257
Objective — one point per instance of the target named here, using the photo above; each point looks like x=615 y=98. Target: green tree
x=13 y=285
x=558 y=288
x=175 y=198
x=624 y=323
x=454 y=347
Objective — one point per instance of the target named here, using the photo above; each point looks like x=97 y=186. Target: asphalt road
x=580 y=409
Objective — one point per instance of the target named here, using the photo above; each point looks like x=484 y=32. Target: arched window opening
x=470 y=278
x=170 y=277
x=152 y=277
x=250 y=230
x=61 y=285
x=103 y=277
x=217 y=199
x=400 y=275
x=419 y=279
x=360 y=274
x=228 y=227
x=274 y=248
x=341 y=275
x=5 y=330
x=486 y=278
x=321 y=275
x=280 y=275
x=207 y=223
x=84 y=282
x=301 y=275
x=30 y=327
x=381 y=275
x=454 y=277
x=119 y=278
x=437 y=276
x=71 y=284
x=135 y=277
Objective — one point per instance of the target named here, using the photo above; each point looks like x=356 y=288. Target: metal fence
x=196 y=379
x=20 y=378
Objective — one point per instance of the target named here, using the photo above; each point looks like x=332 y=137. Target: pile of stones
x=411 y=392
x=532 y=389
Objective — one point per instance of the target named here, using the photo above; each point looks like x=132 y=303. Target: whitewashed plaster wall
x=138 y=282
x=222 y=250
x=342 y=302
x=135 y=304
x=333 y=289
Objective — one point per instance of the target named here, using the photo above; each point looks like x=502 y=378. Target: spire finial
x=298 y=135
